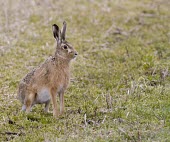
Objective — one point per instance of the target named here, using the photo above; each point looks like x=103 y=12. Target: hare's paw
x=23 y=108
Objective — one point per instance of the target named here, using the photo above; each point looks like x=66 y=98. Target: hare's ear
x=56 y=32
x=63 y=31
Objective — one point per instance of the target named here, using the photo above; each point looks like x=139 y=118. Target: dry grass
x=120 y=82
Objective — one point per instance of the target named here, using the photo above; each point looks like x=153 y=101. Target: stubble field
x=120 y=83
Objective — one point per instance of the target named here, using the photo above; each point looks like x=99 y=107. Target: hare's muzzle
x=75 y=54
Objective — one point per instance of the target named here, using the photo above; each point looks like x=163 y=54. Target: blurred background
x=120 y=82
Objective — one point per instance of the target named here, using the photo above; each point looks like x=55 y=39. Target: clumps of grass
x=120 y=83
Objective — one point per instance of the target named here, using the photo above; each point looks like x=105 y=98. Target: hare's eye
x=65 y=47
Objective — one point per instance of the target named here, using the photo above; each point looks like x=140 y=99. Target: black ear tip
x=55 y=26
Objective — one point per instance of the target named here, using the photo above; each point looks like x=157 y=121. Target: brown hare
x=42 y=84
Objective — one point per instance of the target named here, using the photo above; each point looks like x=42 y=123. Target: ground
x=120 y=83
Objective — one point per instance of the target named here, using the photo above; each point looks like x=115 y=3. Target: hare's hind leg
x=24 y=107
x=29 y=99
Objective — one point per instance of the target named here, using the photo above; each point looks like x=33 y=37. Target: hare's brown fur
x=49 y=79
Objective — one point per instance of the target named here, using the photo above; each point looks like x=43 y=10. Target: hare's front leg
x=61 y=95
x=54 y=102
x=47 y=105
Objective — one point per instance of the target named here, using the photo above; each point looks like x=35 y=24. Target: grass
x=120 y=84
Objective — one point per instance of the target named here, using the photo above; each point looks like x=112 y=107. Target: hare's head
x=64 y=49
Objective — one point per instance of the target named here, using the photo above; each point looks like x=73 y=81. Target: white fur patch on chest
x=43 y=96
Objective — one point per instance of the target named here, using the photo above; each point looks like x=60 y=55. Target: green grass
x=120 y=89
